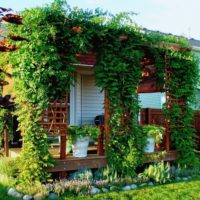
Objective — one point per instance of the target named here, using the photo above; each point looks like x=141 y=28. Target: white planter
x=150 y=146
x=80 y=147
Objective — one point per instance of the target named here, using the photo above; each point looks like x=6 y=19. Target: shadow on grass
x=183 y=190
x=3 y=193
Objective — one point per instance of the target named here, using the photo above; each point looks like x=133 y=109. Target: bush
x=158 y=172
x=82 y=175
x=9 y=167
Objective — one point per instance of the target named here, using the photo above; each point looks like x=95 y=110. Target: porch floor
x=91 y=161
x=94 y=161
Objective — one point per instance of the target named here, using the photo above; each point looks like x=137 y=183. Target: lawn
x=175 y=191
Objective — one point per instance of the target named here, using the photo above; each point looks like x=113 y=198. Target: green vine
x=43 y=71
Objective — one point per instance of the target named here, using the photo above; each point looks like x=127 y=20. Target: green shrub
x=106 y=174
x=82 y=175
x=158 y=172
x=9 y=167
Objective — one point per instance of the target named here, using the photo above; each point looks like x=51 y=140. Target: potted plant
x=155 y=135
x=80 y=137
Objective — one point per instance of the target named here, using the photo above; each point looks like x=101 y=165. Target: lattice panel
x=55 y=117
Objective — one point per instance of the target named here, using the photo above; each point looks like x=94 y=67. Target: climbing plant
x=43 y=70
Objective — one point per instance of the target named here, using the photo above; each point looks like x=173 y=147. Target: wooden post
x=6 y=142
x=168 y=106
x=63 y=136
x=100 y=149
x=106 y=117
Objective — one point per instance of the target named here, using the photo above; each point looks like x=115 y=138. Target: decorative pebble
x=95 y=190
x=178 y=178
x=113 y=188
x=38 y=196
x=105 y=190
x=12 y=192
x=27 y=197
x=53 y=196
x=185 y=178
x=127 y=187
x=133 y=186
x=150 y=184
x=143 y=184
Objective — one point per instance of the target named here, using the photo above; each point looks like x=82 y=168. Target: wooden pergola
x=55 y=118
x=59 y=120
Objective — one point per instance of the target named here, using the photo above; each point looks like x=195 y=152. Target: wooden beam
x=70 y=164
x=168 y=105
x=100 y=147
x=6 y=142
x=106 y=116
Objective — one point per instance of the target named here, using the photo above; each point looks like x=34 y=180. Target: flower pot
x=80 y=147
x=150 y=146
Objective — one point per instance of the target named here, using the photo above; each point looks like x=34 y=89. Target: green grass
x=175 y=191
x=3 y=194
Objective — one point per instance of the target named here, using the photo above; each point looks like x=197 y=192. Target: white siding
x=92 y=100
x=78 y=100
x=151 y=100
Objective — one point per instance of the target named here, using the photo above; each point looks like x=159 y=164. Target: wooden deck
x=95 y=161
x=92 y=161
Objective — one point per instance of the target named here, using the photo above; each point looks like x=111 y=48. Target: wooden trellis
x=55 y=121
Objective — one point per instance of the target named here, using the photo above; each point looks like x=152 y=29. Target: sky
x=179 y=17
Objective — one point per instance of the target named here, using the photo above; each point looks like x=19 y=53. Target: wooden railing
x=154 y=116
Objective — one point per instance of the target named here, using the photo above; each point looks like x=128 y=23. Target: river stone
x=150 y=184
x=178 y=178
x=105 y=190
x=94 y=190
x=113 y=188
x=27 y=197
x=143 y=184
x=133 y=186
x=127 y=187
x=12 y=192
x=53 y=196
x=38 y=196
x=185 y=178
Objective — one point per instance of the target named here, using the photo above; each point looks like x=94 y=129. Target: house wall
x=92 y=100
x=152 y=100
x=88 y=98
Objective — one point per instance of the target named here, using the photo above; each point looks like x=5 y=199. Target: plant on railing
x=157 y=132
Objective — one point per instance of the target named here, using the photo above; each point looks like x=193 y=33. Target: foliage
x=157 y=132
x=9 y=167
x=106 y=174
x=83 y=131
x=158 y=172
x=43 y=71
x=82 y=175
x=179 y=171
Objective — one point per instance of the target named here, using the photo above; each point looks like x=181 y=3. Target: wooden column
x=106 y=117
x=63 y=136
x=6 y=142
x=168 y=105
x=100 y=147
